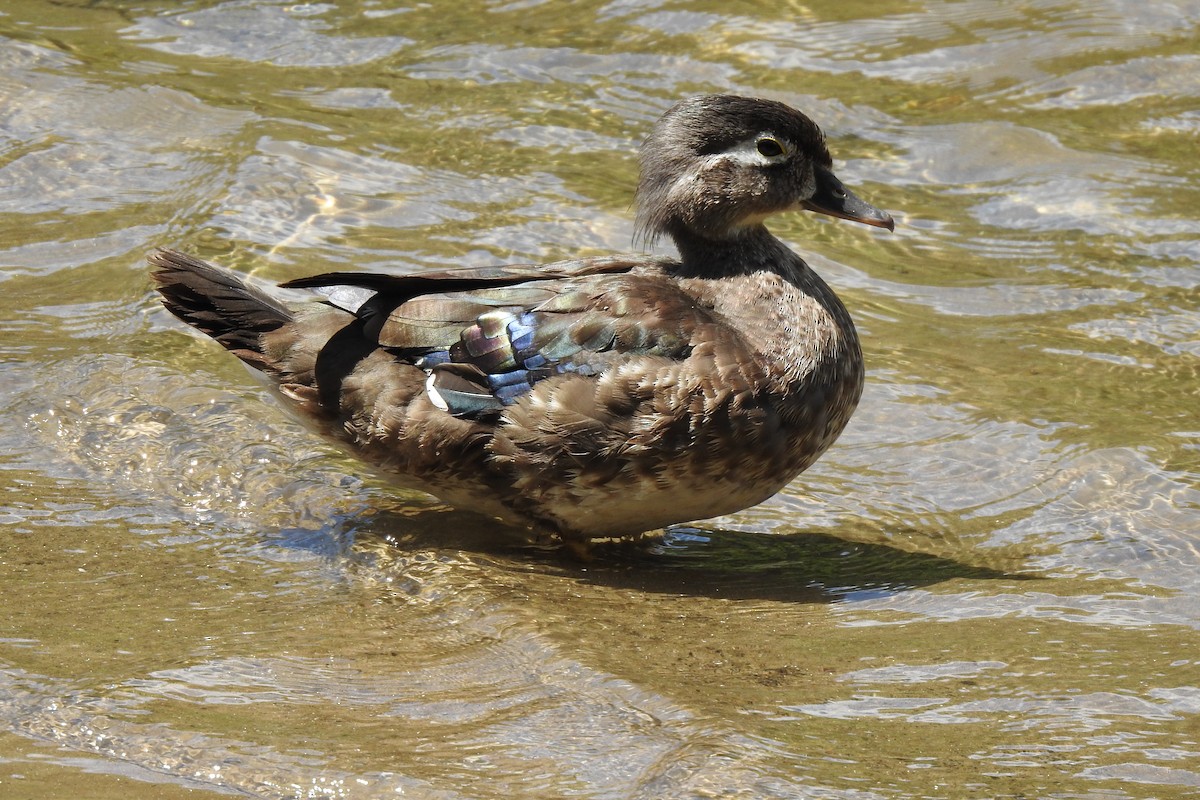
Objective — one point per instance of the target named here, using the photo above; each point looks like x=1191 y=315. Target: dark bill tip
x=836 y=200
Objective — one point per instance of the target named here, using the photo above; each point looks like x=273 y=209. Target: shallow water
x=988 y=588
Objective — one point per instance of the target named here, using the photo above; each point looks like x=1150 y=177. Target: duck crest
x=590 y=398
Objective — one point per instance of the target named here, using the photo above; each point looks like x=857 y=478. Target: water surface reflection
x=987 y=589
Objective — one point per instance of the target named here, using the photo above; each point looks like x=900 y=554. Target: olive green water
x=988 y=588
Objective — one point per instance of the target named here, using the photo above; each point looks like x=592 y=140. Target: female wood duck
x=593 y=398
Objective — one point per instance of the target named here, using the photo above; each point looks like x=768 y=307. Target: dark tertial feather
x=337 y=359
x=405 y=287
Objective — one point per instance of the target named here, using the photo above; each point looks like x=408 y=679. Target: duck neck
x=748 y=251
x=756 y=253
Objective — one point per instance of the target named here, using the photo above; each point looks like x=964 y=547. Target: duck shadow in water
x=687 y=560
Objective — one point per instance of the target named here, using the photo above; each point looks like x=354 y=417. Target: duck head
x=714 y=167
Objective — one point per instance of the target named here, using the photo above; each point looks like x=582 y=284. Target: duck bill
x=836 y=200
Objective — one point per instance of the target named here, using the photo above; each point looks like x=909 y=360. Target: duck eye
x=770 y=148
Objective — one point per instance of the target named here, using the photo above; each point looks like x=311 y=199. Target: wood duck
x=593 y=398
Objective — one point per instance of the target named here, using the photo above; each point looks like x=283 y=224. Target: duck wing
x=486 y=337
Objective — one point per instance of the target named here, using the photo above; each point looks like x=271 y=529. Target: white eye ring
x=769 y=147
x=763 y=150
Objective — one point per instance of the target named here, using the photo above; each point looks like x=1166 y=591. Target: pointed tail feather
x=219 y=303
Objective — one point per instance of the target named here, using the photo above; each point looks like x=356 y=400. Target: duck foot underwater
x=594 y=398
